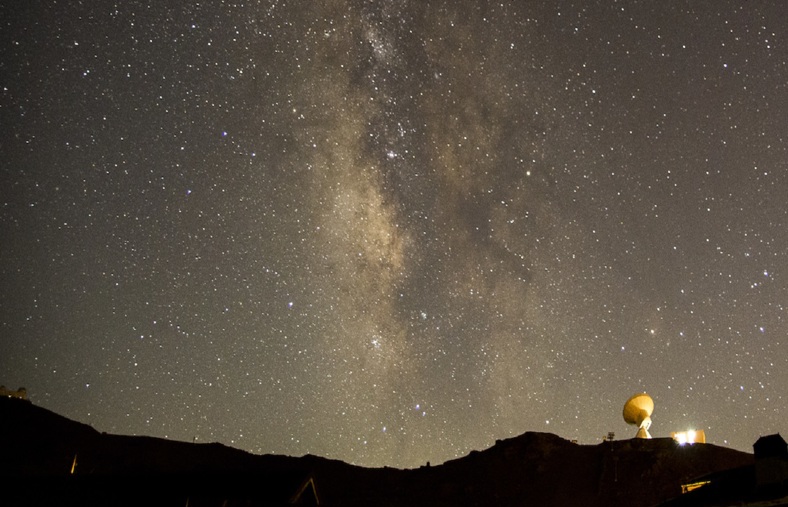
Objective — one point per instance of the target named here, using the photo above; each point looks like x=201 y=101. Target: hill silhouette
x=40 y=449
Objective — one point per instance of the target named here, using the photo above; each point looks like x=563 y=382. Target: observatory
x=637 y=411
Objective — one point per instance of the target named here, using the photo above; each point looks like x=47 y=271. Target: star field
x=392 y=232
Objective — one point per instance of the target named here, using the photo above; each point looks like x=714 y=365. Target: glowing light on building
x=689 y=437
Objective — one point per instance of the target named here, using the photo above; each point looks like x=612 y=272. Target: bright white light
x=686 y=437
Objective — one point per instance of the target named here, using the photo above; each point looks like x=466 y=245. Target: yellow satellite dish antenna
x=637 y=411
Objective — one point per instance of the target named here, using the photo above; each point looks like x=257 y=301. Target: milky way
x=393 y=232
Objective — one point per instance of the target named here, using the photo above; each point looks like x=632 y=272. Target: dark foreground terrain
x=47 y=459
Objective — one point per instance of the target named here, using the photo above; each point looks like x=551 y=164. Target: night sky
x=392 y=232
